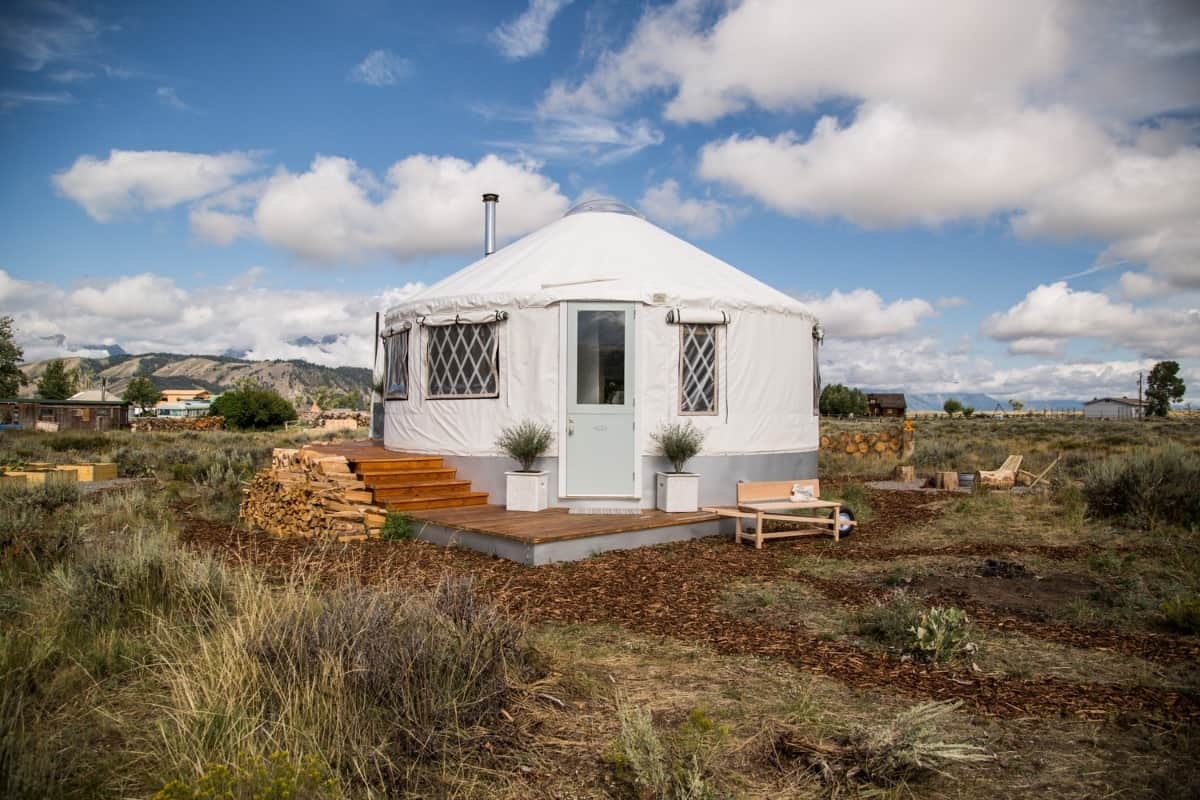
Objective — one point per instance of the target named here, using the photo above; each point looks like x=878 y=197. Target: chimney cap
x=492 y=197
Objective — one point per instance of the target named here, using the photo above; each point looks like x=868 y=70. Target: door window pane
x=600 y=358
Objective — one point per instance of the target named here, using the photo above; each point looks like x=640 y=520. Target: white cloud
x=424 y=205
x=46 y=33
x=1139 y=285
x=71 y=76
x=923 y=365
x=917 y=54
x=11 y=98
x=699 y=217
x=952 y=301
x=1058 y=312
x=862 y=314
x=145 y=296
x=575 y=136
x=891 y=167
x=1035 y=346
x=1029 y=112
x=528 y=34
x=130 y=180
x=381 y=68
x=150 y=313
x=168 y=96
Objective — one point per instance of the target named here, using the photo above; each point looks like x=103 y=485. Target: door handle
x=570 y=427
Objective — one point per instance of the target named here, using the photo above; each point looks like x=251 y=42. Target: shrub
x=887 y=621
x=81 y=442
x=679 y=443
x=436 y=666
x=525 y=442
x=397 y=527
x=1182 y=613
x=32 y=525
x=275 y=777
x=856 y=497
x=665 y=768
x=120 y=583
x=908 y=748
x=940 y=634
x=252 y=407
x=934 y=454
x=1148 y=487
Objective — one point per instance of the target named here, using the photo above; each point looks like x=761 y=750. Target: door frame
x=566 y=308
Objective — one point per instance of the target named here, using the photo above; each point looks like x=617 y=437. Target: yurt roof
x=600 y=251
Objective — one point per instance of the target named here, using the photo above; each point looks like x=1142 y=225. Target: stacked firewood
x=308 y=493
x=148 y=423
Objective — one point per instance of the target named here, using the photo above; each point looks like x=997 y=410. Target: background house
x=1113 y=408
x=64 y=415
x=886 y=405
x=181 y=395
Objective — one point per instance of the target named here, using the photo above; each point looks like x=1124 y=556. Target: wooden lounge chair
x=772 y=500
x=1002 y=478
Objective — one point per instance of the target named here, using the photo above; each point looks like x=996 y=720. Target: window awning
x=464 y=318
x=697 y=316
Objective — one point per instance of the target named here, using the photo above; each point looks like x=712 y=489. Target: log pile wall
x=307 y=493
x=177 y=423
x=891 y=442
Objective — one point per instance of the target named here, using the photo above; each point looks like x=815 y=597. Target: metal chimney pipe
x=489 y=222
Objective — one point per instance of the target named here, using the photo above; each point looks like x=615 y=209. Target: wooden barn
x=886 y=405
x=64 y=415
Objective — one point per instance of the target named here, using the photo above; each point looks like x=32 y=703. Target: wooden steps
x=447 y=501
x=407 y=491
x=388 y=479
x=415 y=483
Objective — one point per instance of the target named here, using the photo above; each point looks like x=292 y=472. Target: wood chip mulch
x=675 y=591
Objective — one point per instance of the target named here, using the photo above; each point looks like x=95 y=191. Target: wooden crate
x=41 y=477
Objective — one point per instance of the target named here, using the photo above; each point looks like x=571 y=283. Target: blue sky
x=1001 y=199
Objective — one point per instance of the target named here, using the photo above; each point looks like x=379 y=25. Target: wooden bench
x=772 y=500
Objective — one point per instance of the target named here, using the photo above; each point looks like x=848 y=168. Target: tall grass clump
x=392 y=692
x=37 y=523
x=1147 y=488
x=937 y=454
x=907 y=749
x=125 y=583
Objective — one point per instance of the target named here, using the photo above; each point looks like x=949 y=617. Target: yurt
x=605 y=327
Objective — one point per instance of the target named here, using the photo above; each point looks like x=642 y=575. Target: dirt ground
x=675 y=591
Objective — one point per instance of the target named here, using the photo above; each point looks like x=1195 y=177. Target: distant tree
x=952 y=407
x=11 y=377
x=1016 y=405
x=56 y=383
x=840 y=401
x=251 y=407
x=968 y=411
x=142 y=392
x=1163 y=388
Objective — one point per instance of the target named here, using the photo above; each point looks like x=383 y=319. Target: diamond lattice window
x=463 y=360
x=698 y=369
x=395 y=352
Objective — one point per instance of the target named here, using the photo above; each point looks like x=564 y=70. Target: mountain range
x=296 y=380
x=977 y=401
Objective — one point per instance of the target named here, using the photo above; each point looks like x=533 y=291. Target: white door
x=601 y=452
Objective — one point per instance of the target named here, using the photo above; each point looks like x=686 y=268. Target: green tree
x=952 y=407
x=56 y=383
x=968 y=411
x=11 y=377
x=251 y=407
x=1016 y=405
x=1163 y=388
x=840 y=401
x=142 y=392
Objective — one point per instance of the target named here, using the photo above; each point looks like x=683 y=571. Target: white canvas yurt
x=604 y=326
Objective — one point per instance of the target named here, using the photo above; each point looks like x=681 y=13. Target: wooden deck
x=363 y=450
x=553 y=524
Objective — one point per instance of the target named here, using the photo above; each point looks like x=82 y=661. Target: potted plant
x=526 y=488
x=678 y=490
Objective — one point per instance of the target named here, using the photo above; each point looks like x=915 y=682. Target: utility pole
x=1141 y=408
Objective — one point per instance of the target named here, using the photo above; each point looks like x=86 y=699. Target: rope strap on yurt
x=392 y=330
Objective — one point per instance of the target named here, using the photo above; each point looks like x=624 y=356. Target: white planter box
x=525 y=491
x=678 y=491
